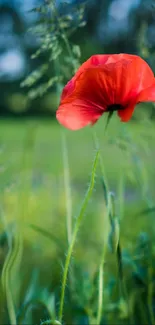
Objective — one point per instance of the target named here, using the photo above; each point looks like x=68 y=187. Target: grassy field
x=45 y=172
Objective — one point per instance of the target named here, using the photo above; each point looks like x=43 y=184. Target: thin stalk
x=104 y=179
x=110 y=114
x=74 y=235
x=14 y=255
x=101 y=274
x=67 y=189
x=107 y=202
x=6 y=284
x=150 y=292
x=63 y=35
x=122 y=285
x=100 y=296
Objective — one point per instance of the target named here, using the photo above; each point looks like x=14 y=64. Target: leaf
x=34 y=76
x=43 y=88
x=114 y=235
x=145 y=211
x=47 y=234
x=76 y=51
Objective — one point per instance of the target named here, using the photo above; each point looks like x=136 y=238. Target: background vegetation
x=45 y=171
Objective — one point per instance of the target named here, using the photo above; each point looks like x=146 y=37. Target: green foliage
x=112 y=287
x=108 y=256
x=52 y=31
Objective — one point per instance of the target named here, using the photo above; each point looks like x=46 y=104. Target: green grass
x=33 y=197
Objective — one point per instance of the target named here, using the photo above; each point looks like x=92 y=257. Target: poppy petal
x=138 y=76
x=103 y=85
x=126 y=113
x=112 y=83
x=94 y=60
x=121 y=80
x=77 y=114
x=68 y=89
x=98 y=61
x=147 y=95
x=94 y=90
x=91 y=87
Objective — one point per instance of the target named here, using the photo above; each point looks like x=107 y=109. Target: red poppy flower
x=105 y=83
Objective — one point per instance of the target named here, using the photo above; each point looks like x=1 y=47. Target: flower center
x=114 y=107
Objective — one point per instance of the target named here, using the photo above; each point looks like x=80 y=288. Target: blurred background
x=110 y=26
x=45 y=169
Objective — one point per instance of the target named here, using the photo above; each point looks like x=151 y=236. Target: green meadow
x=45 y=172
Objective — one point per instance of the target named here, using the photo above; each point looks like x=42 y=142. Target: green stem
x=15 y=252
x=67 y=190
x=122 y=285
x=150 y=292
x=107 y=202
x=63 y=35
x=104 y=179
x=100 y=296
x=101 y=274
x=110 y=114
x=75 y=231
x=6 y=284
x=14 y=256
